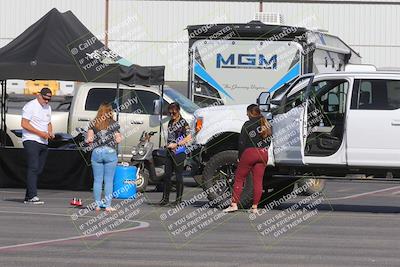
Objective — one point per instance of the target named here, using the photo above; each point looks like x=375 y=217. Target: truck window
x=378 y=94
x=96 y=96
x=296 y=96
x=144 y=103
x=329 y=96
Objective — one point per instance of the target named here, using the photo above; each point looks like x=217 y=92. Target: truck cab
x=336 y=124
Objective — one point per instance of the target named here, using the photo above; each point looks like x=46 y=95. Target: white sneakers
x=34 y=200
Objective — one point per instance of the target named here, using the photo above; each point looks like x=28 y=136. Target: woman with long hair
x=178 y=137
x=253 y=156
x=103 y=137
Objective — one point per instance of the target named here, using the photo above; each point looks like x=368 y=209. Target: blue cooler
x=125 y=182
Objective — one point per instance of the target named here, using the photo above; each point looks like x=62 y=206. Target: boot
x=179 y=193
x=165 y=198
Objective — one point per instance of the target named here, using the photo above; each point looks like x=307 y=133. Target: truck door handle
x=136 y=122
x=395 y=123
x=83 y=119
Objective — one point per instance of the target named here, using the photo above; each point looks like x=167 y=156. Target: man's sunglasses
x=46 y=98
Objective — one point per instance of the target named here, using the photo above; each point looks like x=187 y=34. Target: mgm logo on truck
x=247 y=61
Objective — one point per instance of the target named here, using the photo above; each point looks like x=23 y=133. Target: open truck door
x=289 y=124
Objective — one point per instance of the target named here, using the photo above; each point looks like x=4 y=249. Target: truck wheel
x=317 y=186
x=198 y=179
x=218 y=179
x=142 y=180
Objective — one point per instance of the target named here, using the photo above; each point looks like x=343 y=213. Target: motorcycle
x=148 y=162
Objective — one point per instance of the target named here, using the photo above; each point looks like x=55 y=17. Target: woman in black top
x=178 y=136
x=253 y=156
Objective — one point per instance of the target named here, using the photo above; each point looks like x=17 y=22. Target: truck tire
x=218 y=179
x=318 y=185
x=198 y=179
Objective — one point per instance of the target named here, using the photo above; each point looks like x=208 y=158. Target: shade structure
x=59 y=47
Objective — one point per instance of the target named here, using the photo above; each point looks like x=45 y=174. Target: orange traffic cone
x=73 y=202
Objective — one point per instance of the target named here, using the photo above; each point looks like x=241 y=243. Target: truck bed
x=15 y=102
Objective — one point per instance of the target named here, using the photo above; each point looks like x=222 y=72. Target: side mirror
x=157 y=107
x=263 y=101
x=263 y=98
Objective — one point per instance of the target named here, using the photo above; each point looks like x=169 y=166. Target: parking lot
x=353 y=224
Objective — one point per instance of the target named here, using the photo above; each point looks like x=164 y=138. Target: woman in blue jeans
x=103 y=137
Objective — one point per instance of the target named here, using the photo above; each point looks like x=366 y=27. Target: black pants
x=36 y=154
x=174 y=163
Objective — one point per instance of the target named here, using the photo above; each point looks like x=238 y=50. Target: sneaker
x=34 y=200
x=230 y=209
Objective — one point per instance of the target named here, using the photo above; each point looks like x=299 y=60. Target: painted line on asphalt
x=40 y=213
x=79 y=237
x=396 y=193
x=366 y=193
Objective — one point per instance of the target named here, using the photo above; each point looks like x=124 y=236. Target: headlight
x=199 y=124
x=142 y=151
x=134 y=151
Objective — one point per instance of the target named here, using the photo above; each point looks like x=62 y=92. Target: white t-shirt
x=39 y=117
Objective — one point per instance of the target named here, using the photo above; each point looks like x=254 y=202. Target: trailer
x=234 y=63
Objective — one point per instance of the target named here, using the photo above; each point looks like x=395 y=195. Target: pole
x=117 y=98
x=3 y=126
x=161 y=114
x=106 y=23
x=260 y=7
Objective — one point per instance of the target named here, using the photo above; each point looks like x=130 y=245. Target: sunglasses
x=173 y=112
x=46 y=98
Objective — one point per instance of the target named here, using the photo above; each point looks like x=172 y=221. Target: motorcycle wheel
x=142 y=180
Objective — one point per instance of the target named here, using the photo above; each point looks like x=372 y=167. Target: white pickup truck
x=341 y=125
x=136 y=112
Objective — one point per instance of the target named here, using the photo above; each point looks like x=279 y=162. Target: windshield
x=183 y=101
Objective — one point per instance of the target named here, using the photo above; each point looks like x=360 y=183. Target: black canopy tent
x=59 y=47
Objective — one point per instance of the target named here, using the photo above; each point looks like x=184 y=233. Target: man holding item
x=36 y=131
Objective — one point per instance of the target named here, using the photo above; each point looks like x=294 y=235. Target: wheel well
x=219 y=143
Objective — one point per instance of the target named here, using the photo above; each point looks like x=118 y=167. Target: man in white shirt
x=36 y=131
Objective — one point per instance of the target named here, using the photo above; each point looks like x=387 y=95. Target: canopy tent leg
x=117 y=102
x=3 y=126
x=161 y=114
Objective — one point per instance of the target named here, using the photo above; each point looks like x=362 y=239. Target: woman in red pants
x=253 y=156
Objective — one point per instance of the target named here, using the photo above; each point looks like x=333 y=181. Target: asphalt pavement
x=350 y=224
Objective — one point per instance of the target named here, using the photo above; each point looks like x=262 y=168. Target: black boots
x=179 y=193
x=165 y=197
